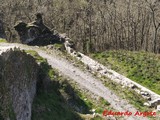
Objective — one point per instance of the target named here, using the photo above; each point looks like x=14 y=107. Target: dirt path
x=84 y=79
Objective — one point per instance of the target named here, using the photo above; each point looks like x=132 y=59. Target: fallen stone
x=144 y=93
x=87 y=67
x=93 y=110
x=79 y=55
x=132 y=86
x=105 y=72
x=50 y=47
x=158 y=108
x=74 y=53
x=147 y=97
x=147 y=104
x=138 y=91
x=85 y=99
x=155 y=102
x=71 y=50
x=99 y=68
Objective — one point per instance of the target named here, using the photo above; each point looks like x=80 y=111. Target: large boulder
x=18 y=79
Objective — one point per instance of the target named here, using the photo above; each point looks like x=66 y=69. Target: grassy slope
x=53 y=106
x=142 y=67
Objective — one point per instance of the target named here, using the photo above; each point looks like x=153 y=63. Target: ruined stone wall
x=18 y=78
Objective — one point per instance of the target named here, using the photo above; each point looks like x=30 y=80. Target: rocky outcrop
x=18 y=78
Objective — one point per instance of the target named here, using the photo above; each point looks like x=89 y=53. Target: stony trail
x=84 y=79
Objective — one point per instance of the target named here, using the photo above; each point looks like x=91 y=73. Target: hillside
x=141 y=67
x=83 y=81
x=55 y=95
x=79 y=59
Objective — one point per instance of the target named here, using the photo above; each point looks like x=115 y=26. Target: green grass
x=38 y=58
x=100 y=106
x=142 y=67
x=3 y=40
x=51 y=106
x=58 y=45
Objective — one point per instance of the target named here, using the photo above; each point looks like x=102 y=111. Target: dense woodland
x=94 y=25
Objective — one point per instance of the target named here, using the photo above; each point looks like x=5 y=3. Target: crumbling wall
x=37 y=33
x=18 y=78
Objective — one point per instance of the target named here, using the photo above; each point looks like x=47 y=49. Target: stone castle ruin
x=36 y=33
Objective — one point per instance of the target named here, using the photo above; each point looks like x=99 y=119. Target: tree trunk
x=2 y=32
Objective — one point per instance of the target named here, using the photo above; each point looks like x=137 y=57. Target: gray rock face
x=158 y=108
x=17 y=84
